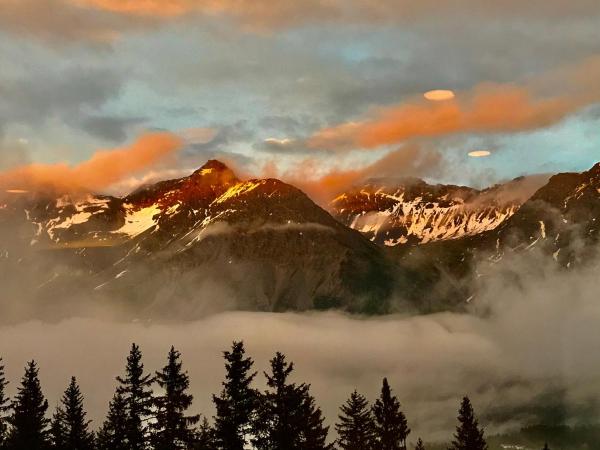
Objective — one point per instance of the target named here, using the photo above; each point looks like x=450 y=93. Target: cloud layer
x=103 y=169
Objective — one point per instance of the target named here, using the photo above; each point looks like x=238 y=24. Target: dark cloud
x=285 y=146
x=72 y=96
x=60 y=21
x=113 y=129
x=12 y=153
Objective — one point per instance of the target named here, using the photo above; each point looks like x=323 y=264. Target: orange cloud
x=285 y=12
x=488 y=108
x=103 y=169
x=103 y=21
x=158 y=8
x=413 y=160
x=254 y=14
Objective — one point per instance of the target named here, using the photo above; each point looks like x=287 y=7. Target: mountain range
x=211 y=241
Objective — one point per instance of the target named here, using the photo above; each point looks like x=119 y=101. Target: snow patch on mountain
x=139 y=220
x=399 y=216
x=239 y=189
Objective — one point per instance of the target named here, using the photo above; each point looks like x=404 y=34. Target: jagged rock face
x=90 y=220
x=557 y=227
x=561 y=218
x=264 y=243
x=414 y=212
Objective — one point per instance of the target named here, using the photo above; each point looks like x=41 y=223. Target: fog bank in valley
x=526 y=353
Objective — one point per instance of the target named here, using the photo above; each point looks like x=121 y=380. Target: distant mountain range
x=210 y=241
x=411 y=211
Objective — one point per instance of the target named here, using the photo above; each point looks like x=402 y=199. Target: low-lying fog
x=527 y=354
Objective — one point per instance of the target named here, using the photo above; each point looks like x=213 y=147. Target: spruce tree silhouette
x=205 y=439
x=135 y=388
x=313 y=434
x=237 y=402
x=468 y=435
x=29 y=424
x=70 y=429
x=57 y=429
x=4 y=408
x=172 y=429
x=546 y=447
x=113 y=433
x=356 y=427
x=287 y=417
x=391 y=427
x=420 y=445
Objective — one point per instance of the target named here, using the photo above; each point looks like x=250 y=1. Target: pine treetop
x=238 y=375
x=73 y=417
x=29 y=422
x=113 y=433
x=355 y=427
x=390 y=422
x=135 y=387
x=287 y=416
x=468 y=435
x=172 y=429
x=135 y=381
x=58 y=431
x=237 y=402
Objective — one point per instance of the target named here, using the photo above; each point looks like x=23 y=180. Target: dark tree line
x=283 y=417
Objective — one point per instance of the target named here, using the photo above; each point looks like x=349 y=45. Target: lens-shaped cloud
x=438 y=95
x=479 y=153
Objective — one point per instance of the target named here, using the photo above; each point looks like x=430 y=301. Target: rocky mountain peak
x=212 y=165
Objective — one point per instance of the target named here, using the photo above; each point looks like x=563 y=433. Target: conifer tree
x=237 y=402
x=391 y=427
x=356 y=428
x=468 y=435
x=420 y=445
x=113 y=433
x=135 y=388
x=29 y=424
x=546 y=447
x=4 y=408
x=172 y=428
x=69 y=424
x=57 y=429
x=287 y=417
x=204 y=437
x=313 y=432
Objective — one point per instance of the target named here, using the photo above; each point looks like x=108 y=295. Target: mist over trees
x=151 y=411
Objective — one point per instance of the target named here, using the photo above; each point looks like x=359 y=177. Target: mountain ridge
x=263 y=244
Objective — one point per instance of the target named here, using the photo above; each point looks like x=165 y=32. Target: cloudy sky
x=322 y=89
